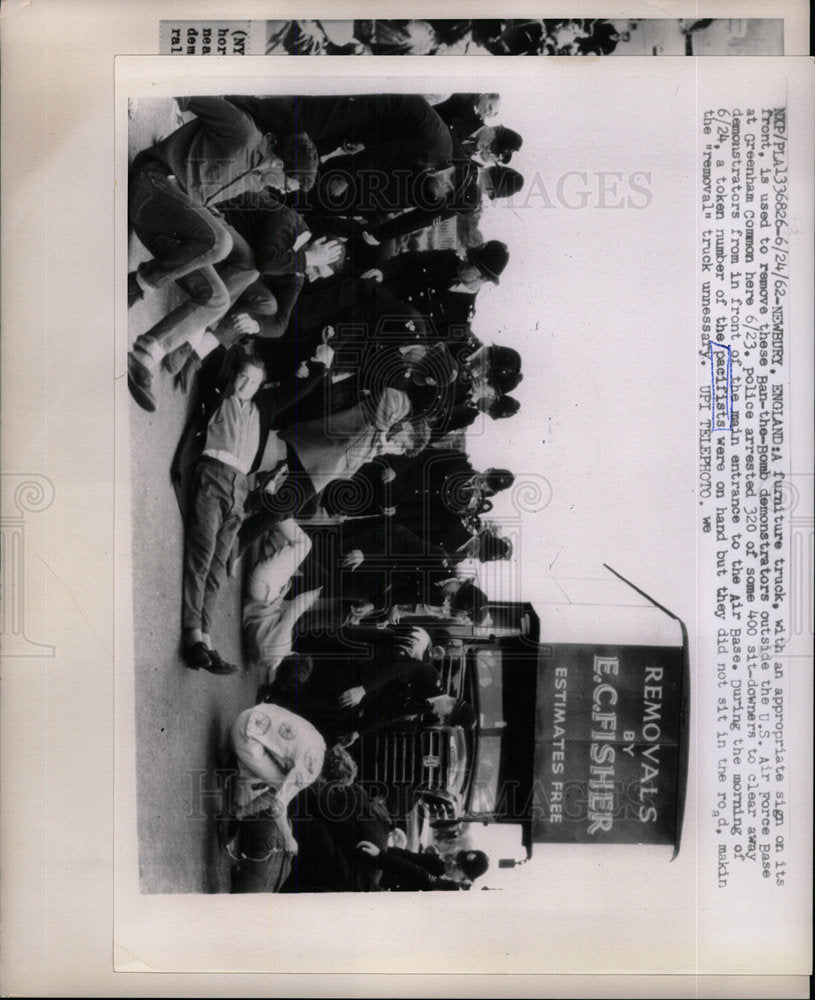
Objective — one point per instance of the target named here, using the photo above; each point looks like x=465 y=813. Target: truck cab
x=580 y=730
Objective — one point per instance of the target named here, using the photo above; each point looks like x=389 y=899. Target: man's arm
x=292 y=612
x=411 y=221
x=404 y=872
x=424 y=140
x=375 y=675
x=286 y=290
x=292 y=535
x=272 y=805
x=295 y=390
x=418 y=270
x=276 y=254
x=393 y=406
x=431 y=863
x=223 y=122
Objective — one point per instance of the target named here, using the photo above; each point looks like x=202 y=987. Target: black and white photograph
x=531 y=37
x=341 y=550
x=415 y=505
x=406 y=501
x=569 y=36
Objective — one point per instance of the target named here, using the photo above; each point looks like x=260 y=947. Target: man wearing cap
x=445 y=194
x=495 y=366
x=411 y=871
x=505 y=142
x=459 y=191
x=493 y=144
x=175 y=188
x=452 y=601
x=433 y=280
x=499 y=181
x=441 y=487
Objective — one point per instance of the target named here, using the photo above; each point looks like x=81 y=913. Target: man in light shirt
x=219 y=489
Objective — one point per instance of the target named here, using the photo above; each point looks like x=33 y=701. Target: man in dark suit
x=395 y=130
x=465 y=185
x=342 y=695
x=439 y=282
x=328 y=821
x=464 y=114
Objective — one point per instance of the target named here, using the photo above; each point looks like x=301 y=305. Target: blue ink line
x=728 y=389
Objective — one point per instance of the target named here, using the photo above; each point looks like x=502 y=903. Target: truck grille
x=417 y=759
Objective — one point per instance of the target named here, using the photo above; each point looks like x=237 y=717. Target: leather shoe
x=197 y=656
x=217 y=665
x=140 y=381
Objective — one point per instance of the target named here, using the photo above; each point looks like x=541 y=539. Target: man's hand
x=277 y=480
x=388 y=475
x=353 y=147
x=353 y=696
x=243 y=323
x=323 y=252
x=368 y=848
x=266 y=801
x=355 y=558
x=374 y=273
x=394 y=617
x=324 y=355
x=304 y=601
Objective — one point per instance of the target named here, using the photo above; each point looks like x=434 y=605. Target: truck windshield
x=487 y=769
x=490 y=689
x=504 y=740
x=484 y=789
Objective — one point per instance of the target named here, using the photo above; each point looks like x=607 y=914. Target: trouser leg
x=185 y=323
x=224 y=541
x=266 y=865
x=211 y=290
x=209 y=505
x=182 y=234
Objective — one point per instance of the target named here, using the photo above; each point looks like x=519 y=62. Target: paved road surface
x=182 y=716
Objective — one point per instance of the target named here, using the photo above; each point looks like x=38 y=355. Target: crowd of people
x=501 y=37
x=328 y=350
